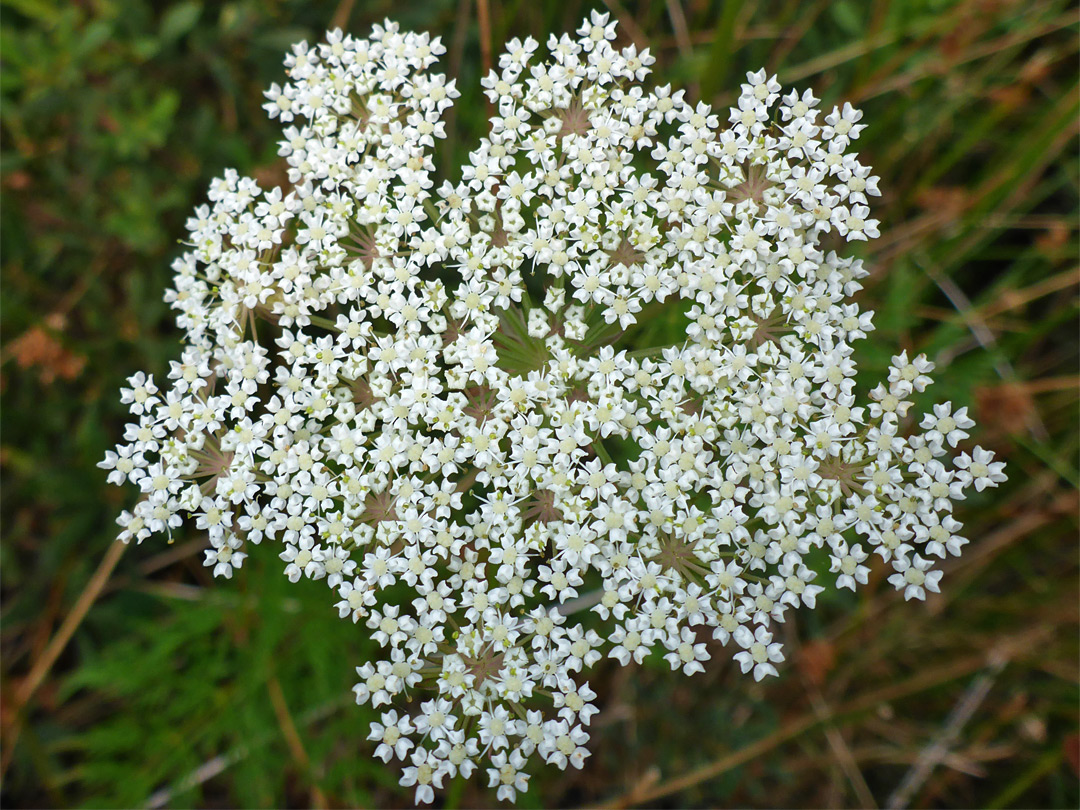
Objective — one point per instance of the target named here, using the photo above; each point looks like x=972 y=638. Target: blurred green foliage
x=115 y=116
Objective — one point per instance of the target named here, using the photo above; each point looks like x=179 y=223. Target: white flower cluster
x=441 y=401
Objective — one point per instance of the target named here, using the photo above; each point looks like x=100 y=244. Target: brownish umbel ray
x=678 y=555
x=213 y=464
x=455 y=328
x=753 y=187
x=540 y=507
x=695 y=406
x=362 y=246
x=481 y=402
x=772 y=328
x=363 y=396
x=485 y=665
x=358 y=109
x=844 y=473
x=379 y=507
x=573 y=120
x=578 y=394
x=626 y=254
x=499 y=237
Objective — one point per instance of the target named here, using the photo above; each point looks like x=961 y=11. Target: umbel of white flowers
x=442 y=402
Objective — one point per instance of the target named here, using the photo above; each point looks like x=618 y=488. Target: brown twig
x=483 y=17
x=678 y=25
x=838 y=745
x=219 y=764
x=927 y=679
x=938 y=750
x=944 y=66
x=966 y=761
x=628 y=24
x=30 y=684
x=993 y=544
x=982 y=333
x=1045 y=385
x=292 y=738
x=682 y=39
x=966 y=566
x=1017 y=298
x=456 y=55
x=172 y=554
x=342 y=14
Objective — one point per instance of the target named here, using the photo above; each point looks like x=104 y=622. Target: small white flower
x=914 y=577
x=759 y=653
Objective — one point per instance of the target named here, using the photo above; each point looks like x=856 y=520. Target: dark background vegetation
x=129 y=679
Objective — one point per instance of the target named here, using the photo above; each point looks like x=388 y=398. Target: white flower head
x=459 y=407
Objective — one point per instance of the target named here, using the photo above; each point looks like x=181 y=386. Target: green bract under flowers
x=438 y=402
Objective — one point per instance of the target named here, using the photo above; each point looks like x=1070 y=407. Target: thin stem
x=601 y=451
x=325 y=323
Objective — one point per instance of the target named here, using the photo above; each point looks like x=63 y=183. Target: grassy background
x=128 y=678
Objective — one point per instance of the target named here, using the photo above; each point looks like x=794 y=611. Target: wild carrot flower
x=442 y=402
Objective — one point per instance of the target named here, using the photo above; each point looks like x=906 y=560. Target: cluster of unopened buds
x=593 y=398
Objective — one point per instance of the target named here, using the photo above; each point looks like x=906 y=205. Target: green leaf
x=178 y=21
x=41 y=10
x=848 y=16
